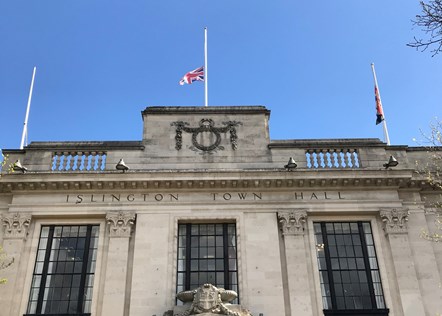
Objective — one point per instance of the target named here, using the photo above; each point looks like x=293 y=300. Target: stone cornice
x=176 y=180
x=195 y=110
x=78 y=146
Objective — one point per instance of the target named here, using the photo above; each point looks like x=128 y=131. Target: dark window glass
x=64 y=271
x=207 y=254
x=348 y=269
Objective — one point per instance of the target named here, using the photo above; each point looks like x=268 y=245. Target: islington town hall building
x=206 y=215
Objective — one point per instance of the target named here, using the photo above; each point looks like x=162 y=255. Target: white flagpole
x=206 y=71
x=25 y=125
x=384 y=122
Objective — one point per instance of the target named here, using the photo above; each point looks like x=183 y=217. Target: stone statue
x=208 y=300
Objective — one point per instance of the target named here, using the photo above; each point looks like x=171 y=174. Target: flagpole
x=25 y=124
x=384 y=122
x=206 y=71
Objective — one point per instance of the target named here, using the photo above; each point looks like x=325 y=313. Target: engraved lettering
x=242 y=196
x=257 y=196
x=301 y=196
x=325 y=196
x=145 y=196
x=130 y=198
x=173 y=197
x=214 y=196
x=114 y=197
x=227 y=196
x=79 y=199
x=159 y=197
x=313 y=196
x=102 y=200
x=340 y=197
x=67 y=198
x=92 y=198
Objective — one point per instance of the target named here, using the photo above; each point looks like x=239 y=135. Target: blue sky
x=100 y=63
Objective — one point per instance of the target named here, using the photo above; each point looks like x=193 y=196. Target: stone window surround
x=202 y=220
x=378 y=234
x=33 y=240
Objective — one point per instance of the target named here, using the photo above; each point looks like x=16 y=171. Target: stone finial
x=395 y=220
x=120 y=223
x=16 y=225
x=292 y=223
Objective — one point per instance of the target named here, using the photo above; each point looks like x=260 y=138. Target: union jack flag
x=379 y=110
x=194 y=75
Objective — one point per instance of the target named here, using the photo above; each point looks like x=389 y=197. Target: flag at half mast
x=194 y=75
x=379 y=109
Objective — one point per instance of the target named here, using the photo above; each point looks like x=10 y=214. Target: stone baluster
x=58 y=157
x=80 y=156
x=14 y=237
x=395 y=227
x=323 y=158
x=100 y=160
x=120 y=229
x=87 y=160
x=333 y=158
x=352 y=157
x=292 y=226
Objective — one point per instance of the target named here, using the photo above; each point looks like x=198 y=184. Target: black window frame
x=229 y=256
x=86 y=268
x=369 y=266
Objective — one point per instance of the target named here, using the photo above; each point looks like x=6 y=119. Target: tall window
x=64 y=271
x=207 y=254
x=348 y=268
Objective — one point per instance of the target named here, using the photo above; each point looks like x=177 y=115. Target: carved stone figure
x=209 y=300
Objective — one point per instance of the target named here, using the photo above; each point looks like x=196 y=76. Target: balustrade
x=332 y=158
x=79 y=161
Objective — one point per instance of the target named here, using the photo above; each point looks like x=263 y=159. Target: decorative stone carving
x=395 y=221
x=120 y=223
x=16 y=225
x=292 y=223
x=209 y=300
x=206 y=126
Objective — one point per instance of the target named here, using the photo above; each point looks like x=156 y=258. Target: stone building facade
x=207 y=198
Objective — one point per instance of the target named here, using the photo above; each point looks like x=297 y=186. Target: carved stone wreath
x=206 y=125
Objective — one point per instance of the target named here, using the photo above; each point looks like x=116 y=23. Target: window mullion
x=188 y=253
x=367 y=265
x=45 y=269
x=81 y=291
x=226 y=257
x=329 y=267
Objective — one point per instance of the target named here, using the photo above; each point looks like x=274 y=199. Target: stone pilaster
x=120 y=228
x=14 y=236
x=292 y=226
x=396 y=230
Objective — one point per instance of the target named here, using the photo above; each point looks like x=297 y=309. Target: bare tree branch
x=430 y=22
